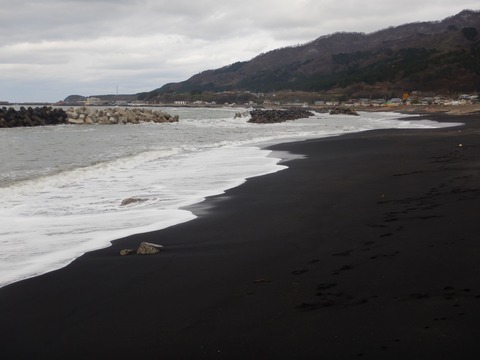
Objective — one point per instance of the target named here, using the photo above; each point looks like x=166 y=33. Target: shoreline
x=453 y=110
x=364 y=248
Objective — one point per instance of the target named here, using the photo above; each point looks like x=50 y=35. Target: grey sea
x=61 y=187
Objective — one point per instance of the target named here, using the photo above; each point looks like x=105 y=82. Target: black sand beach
x=367 y=248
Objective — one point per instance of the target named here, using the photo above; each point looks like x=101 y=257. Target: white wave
x=48 y=223
x=66 y=183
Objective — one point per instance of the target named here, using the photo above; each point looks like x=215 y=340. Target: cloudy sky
x=50 y=49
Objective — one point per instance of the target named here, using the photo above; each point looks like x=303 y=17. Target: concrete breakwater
x=42 y=116
x=85 y=115
x=259 y=116
x=39 y=116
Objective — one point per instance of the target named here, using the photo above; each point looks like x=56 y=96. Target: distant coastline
x=460 y=109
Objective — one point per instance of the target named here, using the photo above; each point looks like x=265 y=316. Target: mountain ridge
x=440 y=55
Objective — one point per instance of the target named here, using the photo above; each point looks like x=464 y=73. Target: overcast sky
x=50 y=49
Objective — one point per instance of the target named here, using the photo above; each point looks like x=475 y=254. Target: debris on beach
x=145 y=248
x=126 y=252
x=261 y=281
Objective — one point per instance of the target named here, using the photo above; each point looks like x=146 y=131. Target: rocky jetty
x=86 y=115
x=40 y=116
x=342 y=110
x=259 y=116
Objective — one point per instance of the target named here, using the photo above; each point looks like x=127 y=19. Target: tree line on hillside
x=441 y=56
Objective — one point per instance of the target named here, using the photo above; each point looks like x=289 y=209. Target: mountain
x=426 y=56
x=100 y=99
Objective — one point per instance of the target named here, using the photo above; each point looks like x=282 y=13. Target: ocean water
x=61 y=187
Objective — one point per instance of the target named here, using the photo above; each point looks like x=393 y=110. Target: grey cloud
x=73 y=46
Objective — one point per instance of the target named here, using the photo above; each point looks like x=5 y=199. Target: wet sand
x=367 y=248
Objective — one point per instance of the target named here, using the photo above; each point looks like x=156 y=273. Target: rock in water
x=343 y=111
x=146 y=248
x=259 y=116
x=129 y=201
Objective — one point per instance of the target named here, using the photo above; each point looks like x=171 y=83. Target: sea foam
x=62 y=187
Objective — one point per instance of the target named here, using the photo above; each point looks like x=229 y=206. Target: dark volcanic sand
x=368 y=248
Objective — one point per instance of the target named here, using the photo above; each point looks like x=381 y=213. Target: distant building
x=469 y=98
x=395 y=101
x=92 y=101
